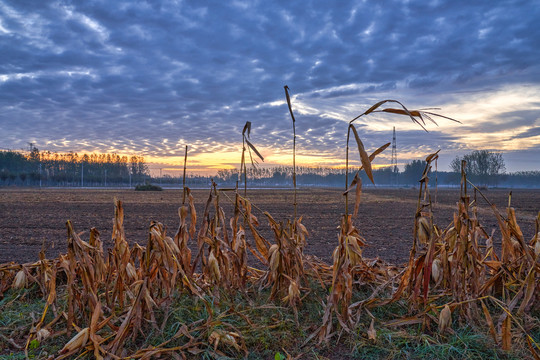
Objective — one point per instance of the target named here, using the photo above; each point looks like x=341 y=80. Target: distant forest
x=323 y=176
x=44 y=168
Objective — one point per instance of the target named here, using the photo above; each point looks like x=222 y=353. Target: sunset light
x=285 y=180
x=131 y=88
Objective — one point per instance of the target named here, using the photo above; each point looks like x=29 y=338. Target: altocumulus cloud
x=150 y=77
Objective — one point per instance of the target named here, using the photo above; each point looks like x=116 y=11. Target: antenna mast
x=395 y=170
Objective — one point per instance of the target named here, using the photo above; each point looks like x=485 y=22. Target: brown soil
x=29 y=217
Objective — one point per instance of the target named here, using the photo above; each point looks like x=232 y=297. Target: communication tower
x=395 y=170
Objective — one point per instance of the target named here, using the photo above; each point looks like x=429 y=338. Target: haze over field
x=147 y=79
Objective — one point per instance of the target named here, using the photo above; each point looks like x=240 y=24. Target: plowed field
x=29 y=217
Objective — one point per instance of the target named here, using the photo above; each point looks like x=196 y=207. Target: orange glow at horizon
x=210 y=163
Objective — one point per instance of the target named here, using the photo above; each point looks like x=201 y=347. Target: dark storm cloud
x=149 y=77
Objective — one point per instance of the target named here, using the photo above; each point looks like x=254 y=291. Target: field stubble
x=133 y=287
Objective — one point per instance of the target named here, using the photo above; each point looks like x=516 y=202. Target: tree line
x=34 y=168
x=484 y=168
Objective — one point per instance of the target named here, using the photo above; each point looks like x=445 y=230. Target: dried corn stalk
x=347 y=257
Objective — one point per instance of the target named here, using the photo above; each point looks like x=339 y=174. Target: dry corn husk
x=274 y=258
x=122 y=248
x=77 y=342
x=353 y=250
x=372 y=333
x=537 y=245
x=224 y=337
x=515 y=244
x=172 y=245
x=272 y=249
x=293 y=294
x=214 y=267
x=436 y=270
x=183 y=212
x=445 y=319
x=131 y=272
x=452 y=237
x=423 y=230
x=42 y=334
x=20 y=280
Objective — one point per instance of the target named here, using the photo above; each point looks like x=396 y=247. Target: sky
x=149 y=78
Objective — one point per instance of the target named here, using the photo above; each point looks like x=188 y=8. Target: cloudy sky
x=148 y=78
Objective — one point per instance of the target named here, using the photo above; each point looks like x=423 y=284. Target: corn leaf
x=289 y=102
x=489 y=321
x=255 y=150
x=366 y=163
x=506 y=333
x=378 y=151
x=247 y=128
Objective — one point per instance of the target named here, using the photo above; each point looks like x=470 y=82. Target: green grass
x=268 y=329
x=19 y=310
x=465 y=343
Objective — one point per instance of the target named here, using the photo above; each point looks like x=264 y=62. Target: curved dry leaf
x=366 y=163
x=375 y=106
x=353 y=183
x=403 y=112
x=378 y=151
x=255 y=150
x=289 y=102
x=94 y=325
x=489 y=321
x=247 y=127
x=371 y=158
x=529 y=292
x=433 y=156
x=506 y=334
x=441 y=116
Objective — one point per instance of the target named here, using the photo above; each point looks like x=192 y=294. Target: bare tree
x=482 y=166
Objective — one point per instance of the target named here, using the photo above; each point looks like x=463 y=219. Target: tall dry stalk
x=294 y=147
x=184 y=178
x=246 y=132
x=348 y=254
x=455 y=263
x=417 y=117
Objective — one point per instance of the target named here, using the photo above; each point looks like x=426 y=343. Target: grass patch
x=465 y=343
x=268 y=329
x=19 y=310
